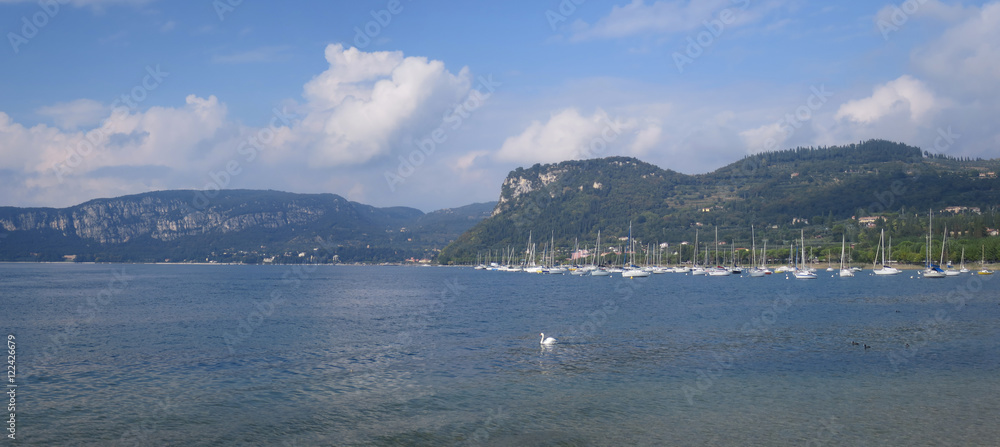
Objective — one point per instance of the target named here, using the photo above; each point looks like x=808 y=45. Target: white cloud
x=661 y=16
x=364 y=106
x=647 y=138
x=904 y=94
x=895 y=15
x=74 y=114
x=669 y=16
x=70 y=165
x=764 y=137
x=966 y=57
x=568 y=135
x=366 y=103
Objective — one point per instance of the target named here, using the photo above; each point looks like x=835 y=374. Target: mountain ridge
x=780 y=190
x=163 y=225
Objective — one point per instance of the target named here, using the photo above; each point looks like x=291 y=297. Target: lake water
x=342 y=355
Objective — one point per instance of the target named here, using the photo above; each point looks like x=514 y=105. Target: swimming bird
x=867 y=347
x=547 y=341
x=854 y=343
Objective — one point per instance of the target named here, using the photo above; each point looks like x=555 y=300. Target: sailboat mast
x=629 y=243
x=694 y=256
x=843 y=243
x=598 y=250
x=943 y=239
x=716 y=245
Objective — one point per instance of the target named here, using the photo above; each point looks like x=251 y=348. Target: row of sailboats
x=629 y=269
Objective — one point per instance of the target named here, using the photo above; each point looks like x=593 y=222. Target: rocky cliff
x=192 y=225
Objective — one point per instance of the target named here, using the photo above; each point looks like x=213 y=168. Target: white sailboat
x=755 y=271
x=931 y=270
x=886 y=269
x=695 y=268
x=844 y=272
x=632 y=271
x=718 y=270
x=963 y=269
x=804 y=272
x=950 y=271
x=597 y=269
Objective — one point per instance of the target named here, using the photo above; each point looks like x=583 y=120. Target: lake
x=364 y=355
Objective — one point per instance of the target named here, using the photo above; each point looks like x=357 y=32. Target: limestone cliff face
x=167 y=216
x=556 y=179
x=521 y=183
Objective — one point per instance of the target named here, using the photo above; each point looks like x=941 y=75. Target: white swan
x=547 y=341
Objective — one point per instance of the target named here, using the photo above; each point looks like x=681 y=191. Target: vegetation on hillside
x=821 y=191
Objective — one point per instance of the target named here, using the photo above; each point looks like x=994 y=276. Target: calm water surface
x=337 y=355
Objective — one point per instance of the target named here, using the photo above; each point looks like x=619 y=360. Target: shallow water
x=339 y=355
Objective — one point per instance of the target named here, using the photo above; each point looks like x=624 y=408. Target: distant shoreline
x=817 y=267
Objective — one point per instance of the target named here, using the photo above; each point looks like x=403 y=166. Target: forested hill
x=232 y=226
x=821 y=190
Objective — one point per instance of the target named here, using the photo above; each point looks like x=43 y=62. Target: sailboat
x=951 y=270
x=932 y=270
x=632 y=271
x=982 y=263
x=964 y=269
x=695 y=268
x=529 y=262
x=804 y=272
x=844 y=272
x=553 y=268
x=886 y=269
x=756 y=272
x=681 y=268
x=596 y=269
x=718 y=270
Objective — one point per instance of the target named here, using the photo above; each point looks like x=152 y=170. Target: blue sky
x=229 y=94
